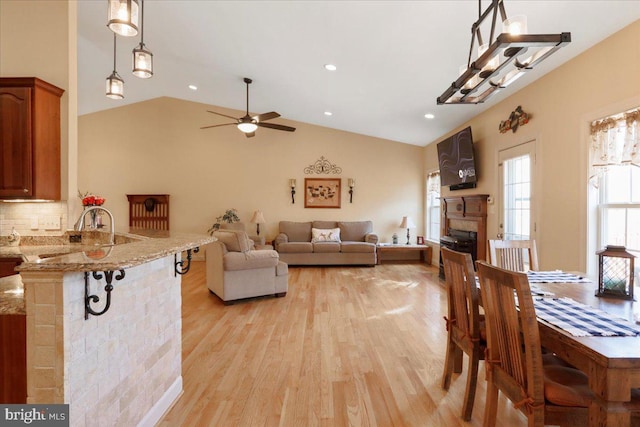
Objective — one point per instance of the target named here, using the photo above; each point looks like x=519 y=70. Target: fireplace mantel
x=467 y=213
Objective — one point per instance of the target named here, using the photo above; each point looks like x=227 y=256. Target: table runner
x=555 y=277
x=582 y=320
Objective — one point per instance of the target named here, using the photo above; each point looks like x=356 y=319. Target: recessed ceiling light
x=330 y=67
x=193 y=87
x=429 y=116
x=328 y=113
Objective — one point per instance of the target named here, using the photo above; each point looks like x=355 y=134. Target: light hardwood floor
x=346 y=346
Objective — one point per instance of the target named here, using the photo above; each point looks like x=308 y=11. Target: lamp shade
x=407 y=222
x=247 y=127
x=257 y=218
x=123 y=17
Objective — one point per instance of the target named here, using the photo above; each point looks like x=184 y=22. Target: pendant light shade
x=115 y=84
x=142 y=57
x=142 y=62
x=123 y=17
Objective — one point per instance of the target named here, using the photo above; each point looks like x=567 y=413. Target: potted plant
x=230 y=216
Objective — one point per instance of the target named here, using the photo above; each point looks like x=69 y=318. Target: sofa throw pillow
x=325 y=235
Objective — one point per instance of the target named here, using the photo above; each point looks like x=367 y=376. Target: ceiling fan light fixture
x=122 y=17
x=492 y=69
x=247 y=127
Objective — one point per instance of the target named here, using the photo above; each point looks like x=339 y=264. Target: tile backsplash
x=31 y=219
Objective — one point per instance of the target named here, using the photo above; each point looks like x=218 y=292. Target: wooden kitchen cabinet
x=29 y=139
x=7 y=266
x=13 y=358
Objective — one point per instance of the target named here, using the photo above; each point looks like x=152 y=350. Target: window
x=615 y=172
x=516 y=174
x=619 y=208
x=433 y=207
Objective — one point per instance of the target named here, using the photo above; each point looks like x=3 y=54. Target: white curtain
x=433 y=182
x=615 y=140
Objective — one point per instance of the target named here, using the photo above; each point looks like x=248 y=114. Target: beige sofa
x=236 y=271
x=327 y=243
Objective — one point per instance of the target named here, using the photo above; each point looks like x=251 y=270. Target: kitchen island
x=122 y=367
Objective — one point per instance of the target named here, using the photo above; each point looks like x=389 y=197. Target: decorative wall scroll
x=322 y=166
x=322 y=192
x=516 y=118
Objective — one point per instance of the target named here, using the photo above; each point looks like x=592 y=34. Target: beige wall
x=157 y=146
x=38 y=39
x=603 y=80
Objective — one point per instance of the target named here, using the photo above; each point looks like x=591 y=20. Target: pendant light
x=142 y=57
x=115 y=84
x=122 y=17
x=501 y=60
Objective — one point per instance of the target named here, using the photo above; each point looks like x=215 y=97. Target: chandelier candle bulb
x=515 y=25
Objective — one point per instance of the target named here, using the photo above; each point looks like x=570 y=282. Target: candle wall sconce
x=352 y=183
x=292 y=184
x=615 y=272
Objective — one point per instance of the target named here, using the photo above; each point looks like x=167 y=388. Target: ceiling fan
x=248 y=124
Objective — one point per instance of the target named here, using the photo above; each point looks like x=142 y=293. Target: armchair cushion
x=250 y=260
x=234 y=241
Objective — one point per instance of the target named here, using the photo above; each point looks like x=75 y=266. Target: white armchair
x=235 y=271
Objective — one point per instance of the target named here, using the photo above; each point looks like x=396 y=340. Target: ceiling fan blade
x=266 y=116
x=276 y=126
x=223 y=115
x=250 y=134
x=216 y=126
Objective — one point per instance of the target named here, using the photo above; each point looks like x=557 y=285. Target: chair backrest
x=514 y=359
x=462 y=293
x=514 y=254
x=239 y=226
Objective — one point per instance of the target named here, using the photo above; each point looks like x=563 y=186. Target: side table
x=425 y=251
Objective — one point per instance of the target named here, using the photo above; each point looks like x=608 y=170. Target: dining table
x=612 y=363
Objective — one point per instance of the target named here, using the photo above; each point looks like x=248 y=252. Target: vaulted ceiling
x=393 y=58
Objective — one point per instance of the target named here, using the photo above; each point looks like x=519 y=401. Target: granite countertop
x=12 y=295
x=131 y=249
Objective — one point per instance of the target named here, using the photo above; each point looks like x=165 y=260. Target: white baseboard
x=161 y=407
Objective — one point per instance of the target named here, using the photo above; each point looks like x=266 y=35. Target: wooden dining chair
x=463 y=324
x=514 y=254
x=546 y=394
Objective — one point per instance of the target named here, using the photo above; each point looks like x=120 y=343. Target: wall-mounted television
x=456 y=160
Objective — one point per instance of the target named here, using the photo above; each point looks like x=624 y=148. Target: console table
x=425 y=251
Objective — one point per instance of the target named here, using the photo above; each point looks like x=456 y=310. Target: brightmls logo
x=34 y=415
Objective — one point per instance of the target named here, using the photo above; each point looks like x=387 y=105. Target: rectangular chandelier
x=501 y=61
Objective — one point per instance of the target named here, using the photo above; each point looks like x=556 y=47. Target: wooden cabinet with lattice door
x=149 y=211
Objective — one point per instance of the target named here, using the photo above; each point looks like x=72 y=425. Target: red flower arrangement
x=91 y=200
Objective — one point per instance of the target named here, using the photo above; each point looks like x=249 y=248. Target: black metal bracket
x=350 y=194
x=181 y=268
x=88 y=299
x=293 y=194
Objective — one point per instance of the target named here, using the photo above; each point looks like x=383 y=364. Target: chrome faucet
x=80 y=224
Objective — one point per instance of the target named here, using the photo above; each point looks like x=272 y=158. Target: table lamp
x=258 y=219
x=407 y=223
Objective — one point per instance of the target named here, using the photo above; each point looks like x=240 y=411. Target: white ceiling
x=394 y=58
